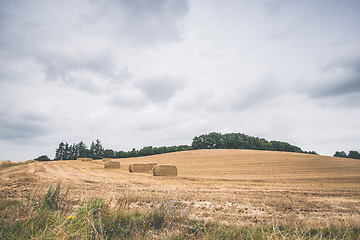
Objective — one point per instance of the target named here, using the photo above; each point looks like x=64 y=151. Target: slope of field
x=231 y=186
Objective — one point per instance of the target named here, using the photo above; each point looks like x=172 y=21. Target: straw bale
x=85 y=159
x=141 y=167
x=110 y=164
x=151 y=165
x=165 y=170
x=106 y=159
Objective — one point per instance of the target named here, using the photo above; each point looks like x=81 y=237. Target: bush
x=43 y=158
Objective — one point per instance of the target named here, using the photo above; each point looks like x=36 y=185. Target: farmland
x=232 y=187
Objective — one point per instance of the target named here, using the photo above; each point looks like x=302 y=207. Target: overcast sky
x=159 y=72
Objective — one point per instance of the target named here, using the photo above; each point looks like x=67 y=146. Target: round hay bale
x=110 y=164
x=85 y=159
x=165 y=170
x=141 y=167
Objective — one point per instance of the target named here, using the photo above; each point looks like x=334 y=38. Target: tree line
x=66 y=151
x=214 y=140
x=351 y=154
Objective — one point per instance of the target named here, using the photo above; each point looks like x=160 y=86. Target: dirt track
x=231 y=186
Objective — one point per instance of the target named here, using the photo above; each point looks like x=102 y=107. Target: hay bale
x=151 y=165
x=165 y=170
x=85 y=159
x=110 y=164
x=106 y=160
x=141 y=167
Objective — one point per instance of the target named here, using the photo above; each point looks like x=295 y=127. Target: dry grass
x=107 y=159
x=237 y=187
x=85 y=159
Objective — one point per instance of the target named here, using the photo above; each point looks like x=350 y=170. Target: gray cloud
x=258 y=93
x=67 y=39
x=93 y=74
x=160 y=89
x=347 y=83
x=128 y=97
x=341 y=81
x=22 y=126
x=146 y=22
x=274 y=7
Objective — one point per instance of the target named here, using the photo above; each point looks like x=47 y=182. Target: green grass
x=95 y=219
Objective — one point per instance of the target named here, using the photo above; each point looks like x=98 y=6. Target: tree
x=208 y=141
x=97 y=149
x=60 y=152
x=239 y=141
x=82 y=149
x=120 y=154
x=146 y=151
x=66 y=152
x=354 y=155
x=133 y=153
x=109 y=153
x=340 y=154
x=311 y=152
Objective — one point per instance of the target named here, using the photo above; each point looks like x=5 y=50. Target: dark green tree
x=109 y=153
x=83 y=150
x=341 y=154
x=97 y=149
x=240 y=141
x=146 y=151
x=133 y=153
x=121 y=154
x=208 y=141
x=354 y=155
x=60 y=152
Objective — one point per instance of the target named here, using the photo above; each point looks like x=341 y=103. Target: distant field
x=239 y=187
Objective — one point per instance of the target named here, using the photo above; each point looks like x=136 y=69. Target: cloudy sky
x=159 y=72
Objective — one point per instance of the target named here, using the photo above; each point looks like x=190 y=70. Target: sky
x=160 y=72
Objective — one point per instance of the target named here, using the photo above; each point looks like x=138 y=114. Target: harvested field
x=239 y=187
x=106 y=159
x=85 y=159
x=111 y=164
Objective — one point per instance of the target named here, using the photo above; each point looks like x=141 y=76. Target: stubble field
x=234 y=187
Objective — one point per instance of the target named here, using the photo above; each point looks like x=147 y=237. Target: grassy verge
x=50 y=218
x=6 y=164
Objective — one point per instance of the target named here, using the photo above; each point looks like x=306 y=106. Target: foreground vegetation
x=6 y=164
x=51 y=217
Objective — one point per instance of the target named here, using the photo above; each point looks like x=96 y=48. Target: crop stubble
x=237 y=187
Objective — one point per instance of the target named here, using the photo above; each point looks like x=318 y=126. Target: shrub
x=43 y=158
x=52 y=198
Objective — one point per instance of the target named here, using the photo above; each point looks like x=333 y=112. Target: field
x=232 y=187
